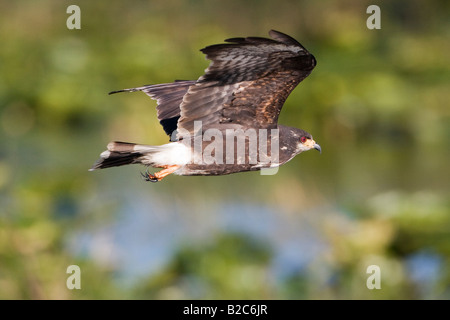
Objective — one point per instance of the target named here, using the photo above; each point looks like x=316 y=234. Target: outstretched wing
x=168 y=97
x=246 y=83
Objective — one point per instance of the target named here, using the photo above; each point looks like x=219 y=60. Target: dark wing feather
x=168 y=97
x=247 y=82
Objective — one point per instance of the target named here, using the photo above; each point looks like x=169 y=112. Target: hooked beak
x=311 y=144
x=317 y=147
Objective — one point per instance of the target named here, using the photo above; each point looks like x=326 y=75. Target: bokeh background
x=377 y=102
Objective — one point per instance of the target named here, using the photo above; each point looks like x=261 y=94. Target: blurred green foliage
x=377 y=103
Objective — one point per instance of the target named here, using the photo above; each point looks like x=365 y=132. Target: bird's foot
x=147 y=176
x=158 y=176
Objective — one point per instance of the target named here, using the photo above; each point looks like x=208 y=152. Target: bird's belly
x=216 y=169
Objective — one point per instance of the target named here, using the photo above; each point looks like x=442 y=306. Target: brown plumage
x=244 y=87
x=247 y=81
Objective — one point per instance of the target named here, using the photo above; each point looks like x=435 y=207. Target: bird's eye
x=303 y=139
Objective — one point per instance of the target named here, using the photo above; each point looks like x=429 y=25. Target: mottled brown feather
x=247 y=82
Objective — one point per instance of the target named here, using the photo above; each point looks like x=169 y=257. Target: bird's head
x=305 y=142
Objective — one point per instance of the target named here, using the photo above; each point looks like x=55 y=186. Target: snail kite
x=226 y=121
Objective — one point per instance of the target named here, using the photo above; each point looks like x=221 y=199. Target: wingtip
x=116 y=91
x=273 y=33
x=284 y=38
x=126 y=90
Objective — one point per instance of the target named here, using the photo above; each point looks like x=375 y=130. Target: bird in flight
x=226 y=121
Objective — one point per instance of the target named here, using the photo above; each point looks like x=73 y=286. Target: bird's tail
x=120 y=154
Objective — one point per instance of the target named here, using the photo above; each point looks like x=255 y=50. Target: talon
x=149 y=177
x=158 y=176
x=144 y=176
x=152 y=178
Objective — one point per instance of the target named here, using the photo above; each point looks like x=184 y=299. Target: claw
x=158 y=176
x=149 y=177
